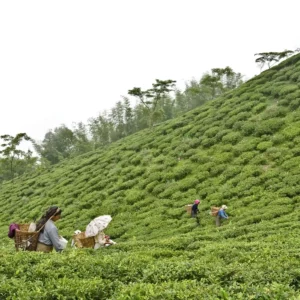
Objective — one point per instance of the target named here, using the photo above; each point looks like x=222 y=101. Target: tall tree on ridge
x=100 y=129
x=57 y=144
x=151 y=98
x=82 y=142
x=128 y=117
x=271 y=58
x=10 y=152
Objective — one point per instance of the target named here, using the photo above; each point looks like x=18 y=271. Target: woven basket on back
x=25 y=240
x=24 y=227
x=81 y=241
x=188 y=208
x=214 y=211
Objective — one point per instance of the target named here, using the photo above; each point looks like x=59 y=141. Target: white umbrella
x=97 y=225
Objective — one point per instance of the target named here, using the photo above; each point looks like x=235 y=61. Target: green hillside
x=242 y=150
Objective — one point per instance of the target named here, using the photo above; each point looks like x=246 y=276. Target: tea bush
x=187 y=183
x=248 y=128
x=212 y=131
x=269 y=126
x=287 y=89
x=208 y=142
x=232 y=138
x=182 y=171
x=245 y=145
x=259 y=108
x=263 y=146
x=240 y=149
x=291 y=132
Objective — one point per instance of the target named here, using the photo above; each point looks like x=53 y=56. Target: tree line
x=161 y=102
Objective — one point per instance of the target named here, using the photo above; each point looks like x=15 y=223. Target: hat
x=224 y=207
x=197 y=201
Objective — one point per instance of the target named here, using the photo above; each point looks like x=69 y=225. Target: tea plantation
x=242 y=150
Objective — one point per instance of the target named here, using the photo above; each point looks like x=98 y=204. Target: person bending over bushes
x=221 y=215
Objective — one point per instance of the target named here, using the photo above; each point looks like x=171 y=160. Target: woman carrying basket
x=49 y=237
x=221 y=215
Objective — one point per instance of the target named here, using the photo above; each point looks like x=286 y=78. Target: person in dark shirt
x=195 y=211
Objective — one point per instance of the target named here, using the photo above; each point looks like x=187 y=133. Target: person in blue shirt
x=221 y=215
x=195 y=211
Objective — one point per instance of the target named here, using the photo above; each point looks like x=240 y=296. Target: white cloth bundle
x=63 y=242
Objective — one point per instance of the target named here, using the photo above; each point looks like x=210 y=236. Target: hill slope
x=242 y=150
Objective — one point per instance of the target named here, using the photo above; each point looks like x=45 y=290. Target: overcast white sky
x=65 y=61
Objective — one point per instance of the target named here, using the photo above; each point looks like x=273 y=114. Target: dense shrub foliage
x=241 y=149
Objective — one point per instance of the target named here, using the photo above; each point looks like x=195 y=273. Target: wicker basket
x=81 y=241
x=23 y=227
x=189 y=208
x=25 y=240
x=214 y=211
